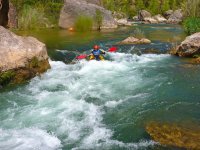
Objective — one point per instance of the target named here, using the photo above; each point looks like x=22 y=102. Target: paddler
x=97 y=53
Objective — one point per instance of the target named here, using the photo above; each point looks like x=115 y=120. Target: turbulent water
x=99 y=105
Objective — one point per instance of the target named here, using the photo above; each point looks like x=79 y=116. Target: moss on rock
x=175 y=135
x=20 y=75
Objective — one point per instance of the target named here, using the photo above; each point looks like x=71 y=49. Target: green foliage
x=154 y=6
x=99 y=19
x=6 y=77
x=83 y=24
x=140 y=5
x=32 y=18
x=192 y=25
x=165 y=5
x=47 y=12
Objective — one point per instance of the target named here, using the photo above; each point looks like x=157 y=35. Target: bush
x=32 y=18
x=191 y=25
x=83 y=23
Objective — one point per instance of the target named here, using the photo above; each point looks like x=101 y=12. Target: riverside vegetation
x=34 y=14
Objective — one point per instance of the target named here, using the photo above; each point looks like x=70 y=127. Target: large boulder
x=143 y=14
x=190 y=46
x=133 y=40
x=176 y=17
x=75 y=8
x=21 y=58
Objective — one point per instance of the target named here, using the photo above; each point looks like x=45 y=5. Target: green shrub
x=191 y=25
x=32 y=18
x=83 y=23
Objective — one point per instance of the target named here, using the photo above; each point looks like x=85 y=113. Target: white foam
x=28 y=139
x=69 y=100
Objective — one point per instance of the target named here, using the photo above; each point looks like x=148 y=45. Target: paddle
x=83 y=56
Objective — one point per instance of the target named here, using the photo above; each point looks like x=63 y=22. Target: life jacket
x=96 y=52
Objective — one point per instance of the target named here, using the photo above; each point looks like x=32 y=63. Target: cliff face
x=21 y=58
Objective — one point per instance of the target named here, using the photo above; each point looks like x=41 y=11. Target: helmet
x=96 y=47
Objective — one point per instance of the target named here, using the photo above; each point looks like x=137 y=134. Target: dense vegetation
x=131 y=7
x=37 y=13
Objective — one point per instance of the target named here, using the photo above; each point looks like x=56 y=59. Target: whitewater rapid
x=65 y=107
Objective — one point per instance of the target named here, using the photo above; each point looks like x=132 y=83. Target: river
x=101 y=105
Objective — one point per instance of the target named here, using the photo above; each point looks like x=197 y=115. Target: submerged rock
x=133 y=40
x=189 y=47
x=75 y=8
x=174 y=135
x=21 y=58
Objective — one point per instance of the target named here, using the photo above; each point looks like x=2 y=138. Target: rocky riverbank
x=21 y=58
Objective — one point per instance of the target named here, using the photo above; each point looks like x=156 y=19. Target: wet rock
x=168 y=13
x=190 y=46
x=143 y=14
x=150 y=20
x=174 y=135
x=133 y=40
x=74 y=8
x=20 y=57
x=176 y=17
x=160 y=19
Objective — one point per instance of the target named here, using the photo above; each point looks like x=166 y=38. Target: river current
x=101 y=105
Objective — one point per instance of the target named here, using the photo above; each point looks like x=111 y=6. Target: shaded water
x=101 y=105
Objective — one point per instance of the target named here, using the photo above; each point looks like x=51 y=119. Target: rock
x=133 y=40
x=135 y=18
x=160 y=19
x=150 y=20
x=143 y=14
x=176 y=17
x=96 y=2
x=74 y=8
x=123 y=22
x=190 y=46
x=168 y=13
x=12 y=16
x=174 y=135
x=21 y=58
x=118 y=15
